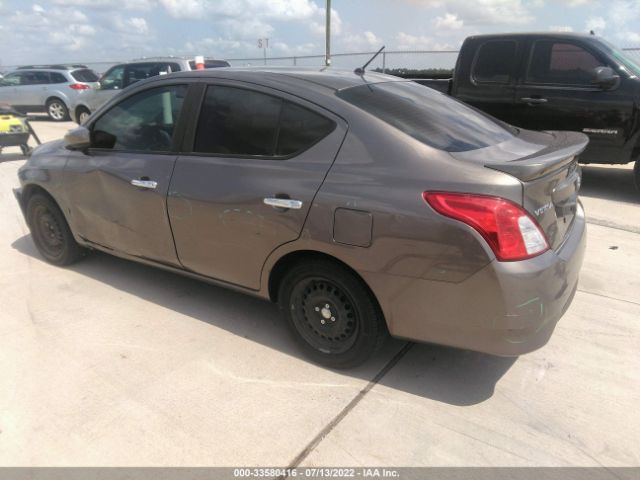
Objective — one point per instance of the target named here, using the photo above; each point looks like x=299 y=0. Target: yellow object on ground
x=11 y=124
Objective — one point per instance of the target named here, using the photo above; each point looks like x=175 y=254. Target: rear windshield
x=428 y=116
x=210 y=64
x=85 y=75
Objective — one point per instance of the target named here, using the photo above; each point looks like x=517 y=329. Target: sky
x=46 y=31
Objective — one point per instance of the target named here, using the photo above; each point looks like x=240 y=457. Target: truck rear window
x=428 y=116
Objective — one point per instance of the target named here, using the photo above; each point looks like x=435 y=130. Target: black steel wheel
x=50 y=231
x=332 y=314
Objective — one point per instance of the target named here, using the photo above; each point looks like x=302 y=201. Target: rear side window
x=35 y=78
x=236 y=121
x=495 y=62
x=428 y=116
x=85 y=75
x=57 y=77
x=561 y=63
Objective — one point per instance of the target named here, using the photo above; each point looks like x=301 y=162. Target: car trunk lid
x=547 y=165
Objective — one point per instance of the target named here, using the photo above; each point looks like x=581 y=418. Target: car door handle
x=534 y=101
x=144 y=183
x=283 y=203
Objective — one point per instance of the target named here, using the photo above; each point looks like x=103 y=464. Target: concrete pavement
x=113 y=363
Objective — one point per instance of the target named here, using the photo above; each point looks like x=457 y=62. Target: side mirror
x=77 y=139
x=605 y=78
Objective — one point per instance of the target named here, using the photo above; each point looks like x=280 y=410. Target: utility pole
x=327 y=55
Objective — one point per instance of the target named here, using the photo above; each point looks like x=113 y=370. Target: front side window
x=495 y=62
x=11 y=80
x=113 y=79
x=142 y=122
x=236 y=121
x=561 y=63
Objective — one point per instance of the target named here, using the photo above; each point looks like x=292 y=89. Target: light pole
x=327 y=55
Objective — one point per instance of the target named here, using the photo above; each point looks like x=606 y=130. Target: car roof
x=329 y=78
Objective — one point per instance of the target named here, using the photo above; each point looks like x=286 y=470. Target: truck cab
x=555 y=81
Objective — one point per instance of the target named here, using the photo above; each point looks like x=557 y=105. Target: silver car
x=51 y=89
x=124 y=74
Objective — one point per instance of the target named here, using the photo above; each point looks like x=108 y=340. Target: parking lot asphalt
x=113 y=363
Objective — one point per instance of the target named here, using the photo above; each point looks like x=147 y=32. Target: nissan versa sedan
x=363 y=204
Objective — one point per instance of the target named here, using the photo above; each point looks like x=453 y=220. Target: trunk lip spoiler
x=556 y=156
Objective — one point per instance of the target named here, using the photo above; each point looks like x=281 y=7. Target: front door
x=258 y=158
x=117 y=190
x=557 y=93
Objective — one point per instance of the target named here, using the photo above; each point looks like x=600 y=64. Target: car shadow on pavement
x=448 y=375
x=11 y=157
x=609 y=183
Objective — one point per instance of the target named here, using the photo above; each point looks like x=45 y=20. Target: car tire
x=332 y=314
x=57 y=110
x=82 y=113
x=50 y=231
x=636 y=173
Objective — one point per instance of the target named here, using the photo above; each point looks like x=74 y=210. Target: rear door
x=256 y=159
x=117 y=190
x=488 y=80
x=556 y=93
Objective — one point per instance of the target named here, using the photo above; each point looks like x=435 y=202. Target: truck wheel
x=57 y=110
x=333 y=316
x=636 y=173
x=50 y=231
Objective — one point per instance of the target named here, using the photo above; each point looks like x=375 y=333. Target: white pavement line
x=608 y=223
x=345 y=411
x=608 y=296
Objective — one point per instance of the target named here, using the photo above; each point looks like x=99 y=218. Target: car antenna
x=360 y=70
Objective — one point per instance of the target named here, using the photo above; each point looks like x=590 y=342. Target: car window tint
x=113 y=79
x=300 y=128
x=35 y=78
x=238 y=122
x=428 y=116
x=84 y=75
x=495 y=62
x=561 y=63
x=143 y=122
x=57 y=77
x=140 y=71
x=210 y=64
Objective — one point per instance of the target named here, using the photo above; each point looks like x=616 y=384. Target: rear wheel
x=332 y=314
x=50 y=231
x=82 y=114
x=57 y=110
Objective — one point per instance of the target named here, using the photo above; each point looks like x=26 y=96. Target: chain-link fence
x=387 y=60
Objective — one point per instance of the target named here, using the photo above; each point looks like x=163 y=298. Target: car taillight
x=509 y=230
x=79 y=86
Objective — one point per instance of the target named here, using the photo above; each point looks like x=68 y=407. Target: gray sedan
x=361 y=203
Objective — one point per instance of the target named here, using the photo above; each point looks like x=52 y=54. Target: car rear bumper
x=507 y=308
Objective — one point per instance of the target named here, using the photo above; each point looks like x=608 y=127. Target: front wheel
x=333 y=316
x=57 y=110
x=82 y=114
x=50 y=231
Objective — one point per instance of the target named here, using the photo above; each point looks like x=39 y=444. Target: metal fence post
x=384 y=62
x=294 y=61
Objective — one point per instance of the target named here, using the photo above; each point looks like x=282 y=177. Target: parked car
x=555 y=81
x=47 y=88
x=362 y=204
x=125 y=74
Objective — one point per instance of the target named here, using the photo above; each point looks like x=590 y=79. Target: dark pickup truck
x=554 y=81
